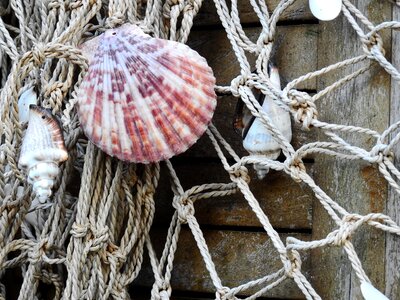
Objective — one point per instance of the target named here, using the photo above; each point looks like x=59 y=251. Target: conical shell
x=42 y=151
x=369 y=292
x=144 y=99
x=325 y=10
x=258 y=139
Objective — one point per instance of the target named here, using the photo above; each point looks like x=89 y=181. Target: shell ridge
x=134 y=130
x=138 y=120
x=117 y=141
x=151 y=81
x=142 y=101
x=154 y=82
x=176 y=80
x=153 y=98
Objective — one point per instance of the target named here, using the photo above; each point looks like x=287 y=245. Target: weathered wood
x=286 y=203
x=356 y=186
x=294 y=52
x=298 y=11
x=393 y=204
x=239 y=257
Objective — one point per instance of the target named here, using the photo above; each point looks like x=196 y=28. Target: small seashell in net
x=144 y=99
x=42 y=151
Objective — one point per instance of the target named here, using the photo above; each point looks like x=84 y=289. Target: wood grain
x=239 y=257
x=287 y=204
x=295 y=53
x=393 y=204
x=358 y=187
x=298 y=11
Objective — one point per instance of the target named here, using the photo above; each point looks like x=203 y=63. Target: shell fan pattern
x=144 y=99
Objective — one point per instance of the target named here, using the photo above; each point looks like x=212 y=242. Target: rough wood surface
x=232 y=251
x=393 y=204
x=287 y=204
x=294 y=52
x=298 y=11
x=356 y=186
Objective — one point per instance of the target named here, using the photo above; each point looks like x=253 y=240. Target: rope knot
x=380 y=151
x=54 y=5
x=79 y=230
x=223 y=294
x=115 y=19
x=38 y=251
x=184 y=208
x=373 y=41
x=304 y=108
x=239 y=171
x=99 y=238
x=237 y=82
x=167 y=8
x=296 y=166
x=293 y=264
x=38 y=54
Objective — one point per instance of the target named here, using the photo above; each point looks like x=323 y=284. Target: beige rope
x=100 y=234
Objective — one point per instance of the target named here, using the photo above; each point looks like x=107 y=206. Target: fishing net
x=89 y=241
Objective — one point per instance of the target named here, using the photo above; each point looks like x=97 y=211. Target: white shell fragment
x=325 y=10
x=258 y=139
x=371 y=293
x=144 y=99
x=42 y=151
x=25 y=100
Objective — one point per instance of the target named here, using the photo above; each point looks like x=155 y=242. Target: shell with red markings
x=144 y=99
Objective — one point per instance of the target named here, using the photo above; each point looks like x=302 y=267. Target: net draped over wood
x=89 y=243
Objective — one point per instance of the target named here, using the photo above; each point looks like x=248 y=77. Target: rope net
x=89 y=243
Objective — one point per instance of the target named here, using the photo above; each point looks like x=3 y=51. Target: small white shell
x=42 y=150
x=371 y=293
x=25 y=100
x=258 y=139
x=325 y=10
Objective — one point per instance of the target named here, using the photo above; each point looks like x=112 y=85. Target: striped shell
x=42 y=151
x=144 y=99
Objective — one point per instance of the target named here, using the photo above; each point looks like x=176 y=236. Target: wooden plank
x=287 y=204
x=239 y=257
x=358 y=187
x=294 y=52
x=393 y=205
x=298 y=11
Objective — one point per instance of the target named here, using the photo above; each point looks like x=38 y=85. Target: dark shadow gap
x=210 y=227
x=218 y=26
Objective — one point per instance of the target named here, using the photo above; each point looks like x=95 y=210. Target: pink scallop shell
x=144 y=99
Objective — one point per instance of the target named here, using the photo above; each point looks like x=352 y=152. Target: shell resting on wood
x=42 y=151
x=144 y=99
x=257 y=139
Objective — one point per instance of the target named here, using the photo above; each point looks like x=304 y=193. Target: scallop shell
x=256 y=137
x=325 y=10
x=144 y=99
x=26 y=99
x=369 y=292
x=42 y=151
